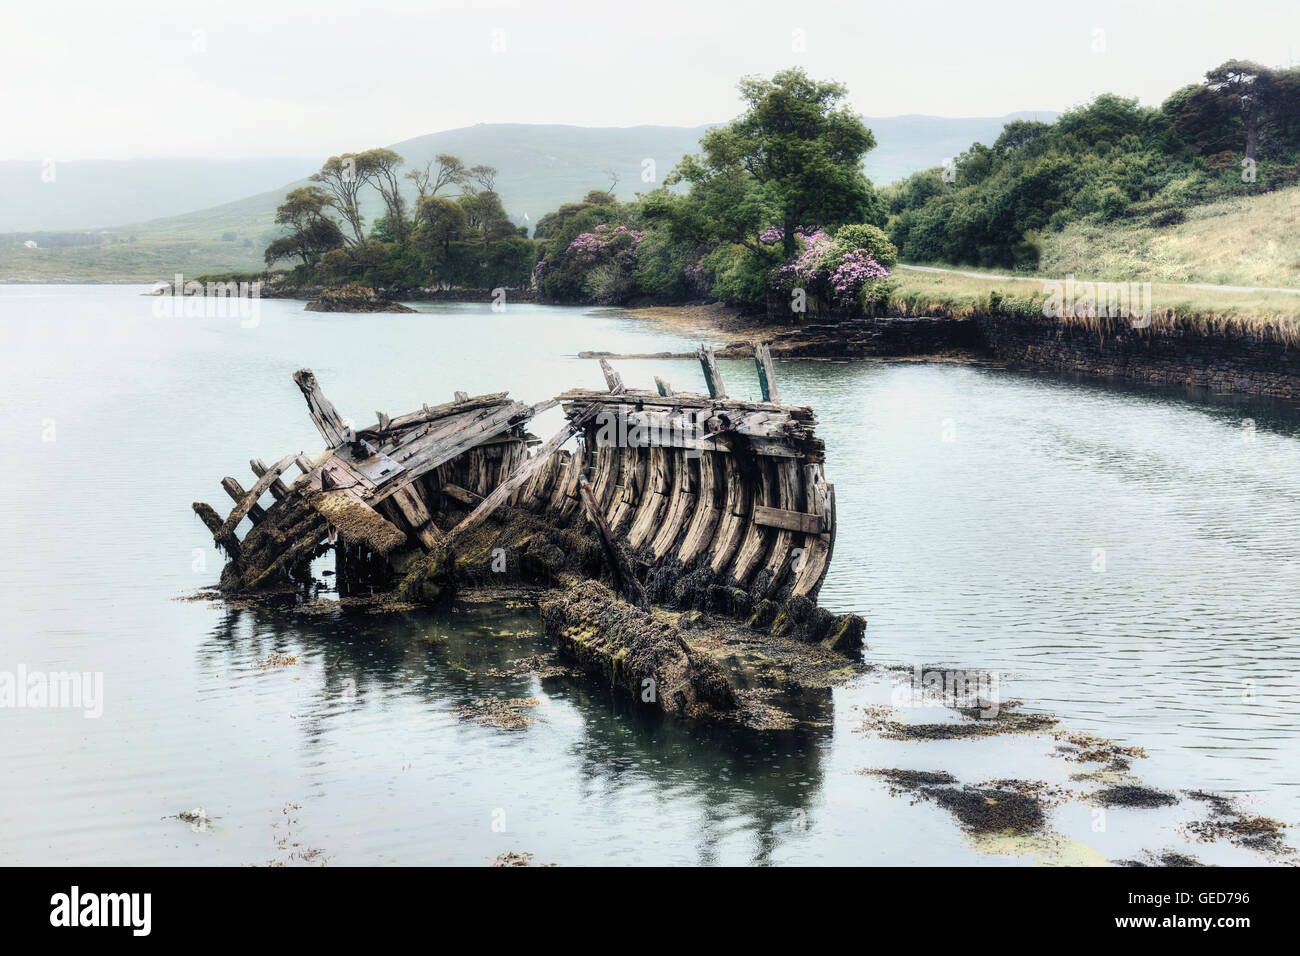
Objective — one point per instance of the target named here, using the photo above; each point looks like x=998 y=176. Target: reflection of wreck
x=678 y=501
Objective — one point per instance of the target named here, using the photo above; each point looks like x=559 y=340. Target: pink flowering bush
x=846 y=271
x=599 y=265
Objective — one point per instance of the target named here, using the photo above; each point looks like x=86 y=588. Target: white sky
x=96 y=79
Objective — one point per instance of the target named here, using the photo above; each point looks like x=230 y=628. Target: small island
x=354 y=297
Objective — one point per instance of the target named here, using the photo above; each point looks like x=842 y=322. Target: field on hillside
x=1245 y=241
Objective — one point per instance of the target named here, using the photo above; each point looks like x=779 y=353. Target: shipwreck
x=677 y=550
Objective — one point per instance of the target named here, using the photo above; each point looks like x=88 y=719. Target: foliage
x=1237 y=133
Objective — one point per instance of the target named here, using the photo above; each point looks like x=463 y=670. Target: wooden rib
x=704 y=520
x=654 y=501
x=789 y=496
x=569 y=498
x=682 y=501
x=819 y=499
x=632 y=480
x=608 y=461
x=756 y=543
x=735 y=514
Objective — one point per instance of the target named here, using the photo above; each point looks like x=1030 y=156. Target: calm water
x=1129 y=559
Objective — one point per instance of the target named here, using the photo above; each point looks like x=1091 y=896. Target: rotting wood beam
x=629 y=589
x=232 y=487
x=787 y=520
x=323 y=413
x=279 y=490
x=249 y=500
x=712 y=377
x=612 y=379
x=766 y=373
x=227 y=542
x=521 y=474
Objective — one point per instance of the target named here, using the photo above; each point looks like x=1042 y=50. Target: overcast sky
x=148 y=78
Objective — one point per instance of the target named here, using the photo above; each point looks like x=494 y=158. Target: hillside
x=1240 y=241
x=541 y=166
x=101 y=194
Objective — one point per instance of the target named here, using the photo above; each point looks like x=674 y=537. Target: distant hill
x=99 y=194
x=194 y=216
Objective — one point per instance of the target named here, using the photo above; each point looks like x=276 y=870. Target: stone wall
x=1226 y=363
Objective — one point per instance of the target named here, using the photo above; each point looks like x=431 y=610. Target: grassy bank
x=1173 y=305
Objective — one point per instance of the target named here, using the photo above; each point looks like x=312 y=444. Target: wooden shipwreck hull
x=675 y=500
x=729 y=492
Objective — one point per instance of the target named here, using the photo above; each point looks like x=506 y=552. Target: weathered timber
x=789 y=520
x=522 y=473
x=324 y=415
x=766 y=372
x=712 y=377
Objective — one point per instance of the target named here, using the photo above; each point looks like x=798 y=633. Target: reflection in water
x=371 y=664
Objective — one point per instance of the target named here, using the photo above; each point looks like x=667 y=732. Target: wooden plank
x=664 y=388
x=463 y=495
x=799 y=413
x=633 y=593
x=462 y=396
x=424 y=460
x=236 y=491
x=524 y=472
x=279 y=490
x=766 y=373
x=323 y=413
x=612 y=378
x=249 y=500
x=787 y=520
x=712 y=377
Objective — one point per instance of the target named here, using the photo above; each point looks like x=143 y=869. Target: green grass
x=1243 y=241
x=1173 y=306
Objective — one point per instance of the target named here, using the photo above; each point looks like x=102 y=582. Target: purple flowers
x=840 y=278
x=850 y=278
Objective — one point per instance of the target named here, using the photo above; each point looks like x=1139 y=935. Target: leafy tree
x=450 y=171
x=343 y=182
x=802 y=145
x=312 y=233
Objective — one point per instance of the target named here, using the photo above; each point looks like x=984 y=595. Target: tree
x=803 y=146
x=312 y=232
x=485 y=176
x=379 y=168
x=343 y=181
x=439 y=222
x=451 y=171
